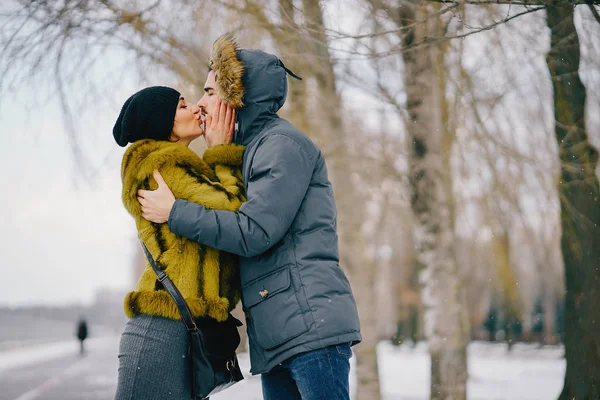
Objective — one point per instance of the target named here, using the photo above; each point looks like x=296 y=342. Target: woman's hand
x=220 y=128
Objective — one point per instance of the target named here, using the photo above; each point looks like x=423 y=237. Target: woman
x=153 y=350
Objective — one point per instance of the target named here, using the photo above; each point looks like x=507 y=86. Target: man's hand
x=157 y=204
x=219 y=130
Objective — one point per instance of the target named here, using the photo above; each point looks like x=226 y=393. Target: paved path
x=55 y=371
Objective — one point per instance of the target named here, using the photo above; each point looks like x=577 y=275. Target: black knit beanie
x=148 y=114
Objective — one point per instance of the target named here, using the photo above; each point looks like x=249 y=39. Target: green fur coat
x=208 y=279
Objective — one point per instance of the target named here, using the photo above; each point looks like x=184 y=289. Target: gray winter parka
x=295 y=295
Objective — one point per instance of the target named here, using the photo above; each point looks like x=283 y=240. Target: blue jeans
x=314 y=375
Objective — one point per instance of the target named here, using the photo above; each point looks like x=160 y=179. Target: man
x=300 y=311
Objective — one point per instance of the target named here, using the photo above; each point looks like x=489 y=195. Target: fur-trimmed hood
x=250 y=80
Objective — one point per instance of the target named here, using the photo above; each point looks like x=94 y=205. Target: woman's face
x=187 y=125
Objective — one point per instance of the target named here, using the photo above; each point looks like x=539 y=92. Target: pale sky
x=61 y=242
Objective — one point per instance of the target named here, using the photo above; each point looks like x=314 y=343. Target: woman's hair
x=147 y=114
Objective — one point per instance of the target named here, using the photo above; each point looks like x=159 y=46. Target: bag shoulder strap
x=186 y=314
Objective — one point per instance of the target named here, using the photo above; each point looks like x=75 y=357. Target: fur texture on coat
x=208 y=279
x=229 y=70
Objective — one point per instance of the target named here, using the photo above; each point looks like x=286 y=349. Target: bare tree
x=430 y=178
x=579 y=193
x=65 y=47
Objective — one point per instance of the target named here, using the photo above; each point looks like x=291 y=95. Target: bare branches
x=306 y=32
x=493 y=25
x=406 y=27
x=65 y=46
x=545 y=3
x=594 y=12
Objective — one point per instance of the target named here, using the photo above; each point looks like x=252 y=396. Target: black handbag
x=214 y=364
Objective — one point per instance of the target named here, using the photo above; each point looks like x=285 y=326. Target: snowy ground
x=527 y=373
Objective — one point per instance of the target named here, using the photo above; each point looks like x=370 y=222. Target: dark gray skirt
x=153 y=360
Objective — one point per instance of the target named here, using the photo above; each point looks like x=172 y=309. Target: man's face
x=211 y=94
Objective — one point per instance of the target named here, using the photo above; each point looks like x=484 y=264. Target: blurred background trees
x=459 y=138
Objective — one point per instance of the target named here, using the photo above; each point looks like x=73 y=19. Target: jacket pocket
x=273 y=307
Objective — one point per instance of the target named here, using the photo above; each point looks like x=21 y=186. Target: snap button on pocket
x=264 y=293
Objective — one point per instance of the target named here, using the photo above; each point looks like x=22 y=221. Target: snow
x=526 y=373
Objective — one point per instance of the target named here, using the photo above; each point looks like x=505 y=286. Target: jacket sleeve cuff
x=225 y=154
x=174 y=220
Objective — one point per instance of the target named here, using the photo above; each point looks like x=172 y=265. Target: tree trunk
x=353 y=250
x=291 y=42
x=549 y=297
x=445 y=319
x=549 y=317
x=509 y=291
x=579 y=194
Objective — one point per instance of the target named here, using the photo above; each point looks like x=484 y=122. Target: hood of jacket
x=251 y=81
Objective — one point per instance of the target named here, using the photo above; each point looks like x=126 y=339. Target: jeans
x=314 y=375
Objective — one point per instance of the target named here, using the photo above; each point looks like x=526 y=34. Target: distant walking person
x=82 y=334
